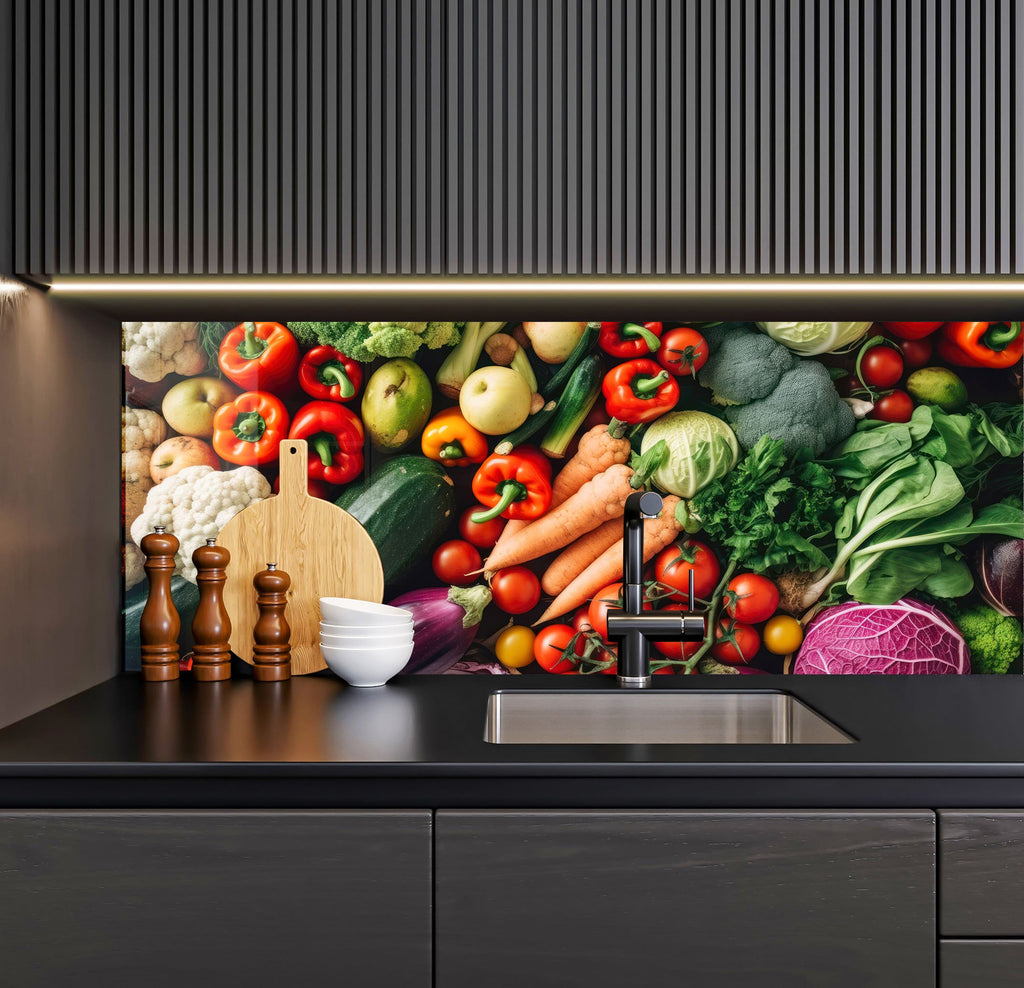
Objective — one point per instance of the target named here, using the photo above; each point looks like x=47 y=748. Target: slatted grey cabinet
x=248 y=898
x=711 y=899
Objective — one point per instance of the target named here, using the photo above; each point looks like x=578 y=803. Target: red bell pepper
x=911 y=330
x=329 y=375
x=260 y=356
x=639 y=391
x=249 y=429
x=628 y=339
x=514 y=485
x=981 y=344
x=335 y=438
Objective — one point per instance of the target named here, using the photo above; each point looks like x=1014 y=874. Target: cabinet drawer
x=981 y=873
x=981 y=963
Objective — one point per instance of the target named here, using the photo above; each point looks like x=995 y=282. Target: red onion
x=1000 y=567
x=444 y=621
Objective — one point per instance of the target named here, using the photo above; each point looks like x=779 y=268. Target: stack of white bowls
x=362 y=642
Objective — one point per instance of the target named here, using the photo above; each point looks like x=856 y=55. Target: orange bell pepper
x=249 y=429
x=981 y=344
x=449 y=438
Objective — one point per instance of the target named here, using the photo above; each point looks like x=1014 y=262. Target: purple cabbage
x=444 y=622
x=905 y=638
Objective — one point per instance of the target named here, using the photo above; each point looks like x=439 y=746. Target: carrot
x=597 y=451
x=575 y=558
x=597 y=501
x=607 y=568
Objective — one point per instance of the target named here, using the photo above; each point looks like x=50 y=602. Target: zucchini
x=534 y=423
x=406 y=506
x=554 y=385
x=186 y=599
x=580 y=395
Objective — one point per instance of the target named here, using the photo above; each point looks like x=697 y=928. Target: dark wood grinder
x=211 y=626
x=160 y=623
x=272 y=651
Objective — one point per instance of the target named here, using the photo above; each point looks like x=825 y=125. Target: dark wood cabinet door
x=981 y=868
x=981 y=963
x=690 y=898
x=218 y=898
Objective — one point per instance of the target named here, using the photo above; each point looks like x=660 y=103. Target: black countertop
x=939 y=741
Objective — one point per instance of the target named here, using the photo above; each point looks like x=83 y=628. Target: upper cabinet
x=493 y=136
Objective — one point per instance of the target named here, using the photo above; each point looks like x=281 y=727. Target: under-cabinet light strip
x=884 y=285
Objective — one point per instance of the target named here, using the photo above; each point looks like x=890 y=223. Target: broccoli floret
x=439 y=334
x=310 y=333
x=347 y=337
x=392 y=339
x=803 y=410
x=995 y=640
x=744 y=365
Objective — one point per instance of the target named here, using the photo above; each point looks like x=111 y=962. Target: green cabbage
x=811 y=338
x=701 y=448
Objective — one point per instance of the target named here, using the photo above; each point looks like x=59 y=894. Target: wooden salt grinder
x=211 y=627
x=160 y=623
x=271 y=652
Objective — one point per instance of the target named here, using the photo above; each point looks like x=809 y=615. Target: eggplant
x=444 y=622
x=999 y=564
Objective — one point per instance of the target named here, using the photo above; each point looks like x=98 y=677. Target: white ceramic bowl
x=366 y=666
x=367 y=641
x=348 y=612
x=366 y=630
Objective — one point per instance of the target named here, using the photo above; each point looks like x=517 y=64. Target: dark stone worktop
x=940 y=741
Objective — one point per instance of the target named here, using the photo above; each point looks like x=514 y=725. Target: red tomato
x=881 y=367
x=916 y=353
x=581 y=619
x=675 y=650
x=736 y=643
x=894 y=407
x=549 y=645
x=483 y=536
x=601 y=603
x=682 y=351
x=756 y=600
x=516 y=589
x=911 y=330
x=671 y=567
x=454 y=562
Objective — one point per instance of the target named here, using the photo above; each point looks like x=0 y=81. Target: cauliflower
x=141 y=431
x=195 y=504
x=995 y=640
x=134 y=562
x=152 y=350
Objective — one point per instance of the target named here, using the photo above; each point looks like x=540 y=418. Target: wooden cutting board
x=325 y=551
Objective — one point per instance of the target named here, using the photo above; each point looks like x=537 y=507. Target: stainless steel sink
x=655 y=717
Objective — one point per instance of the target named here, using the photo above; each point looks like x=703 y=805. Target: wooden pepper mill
x=160 y=623
x=271 y=653
x=211 y=627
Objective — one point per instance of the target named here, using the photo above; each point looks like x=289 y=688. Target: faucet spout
x=639 y=505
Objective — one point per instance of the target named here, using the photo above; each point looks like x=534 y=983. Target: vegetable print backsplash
x=846 y=496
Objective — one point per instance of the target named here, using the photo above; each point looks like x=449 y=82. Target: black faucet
x=631 y=626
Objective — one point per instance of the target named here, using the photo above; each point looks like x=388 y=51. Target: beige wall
x=60 y=579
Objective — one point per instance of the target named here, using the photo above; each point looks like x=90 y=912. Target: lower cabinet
x=711 y=899
x=981 y=963
x=215 y=898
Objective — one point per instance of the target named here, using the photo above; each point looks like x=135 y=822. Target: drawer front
x=981 y=963
x=981 y=873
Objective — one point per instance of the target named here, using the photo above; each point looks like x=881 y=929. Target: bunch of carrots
x=584 y=521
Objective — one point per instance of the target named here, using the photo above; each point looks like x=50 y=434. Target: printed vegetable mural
x=846 y=496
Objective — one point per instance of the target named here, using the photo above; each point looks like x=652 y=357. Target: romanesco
x=995 y=640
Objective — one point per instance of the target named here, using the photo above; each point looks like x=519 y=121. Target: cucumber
x=186 y=599
x=533 y=424
x=553 y=387
x=406 y=505
x=580 y=395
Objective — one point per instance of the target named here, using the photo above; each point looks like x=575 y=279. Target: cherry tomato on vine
x=549 y=645
x=484 y=535
x=783 y=634
x=916 y=353
x=756 y=598
x=894 y=407
x=581 y=619
x=736 y=643
x=881 y=366
x=605 y=600
x=516 y=589
x=674 y=650
x=682 y=351
x=673 y=564
x=514 y=647
x=454 y=562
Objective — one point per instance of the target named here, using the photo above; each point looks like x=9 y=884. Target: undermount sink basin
x=655 y=717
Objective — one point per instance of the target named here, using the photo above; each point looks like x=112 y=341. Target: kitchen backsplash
x=846 y=496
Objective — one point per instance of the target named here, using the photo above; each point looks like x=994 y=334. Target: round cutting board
x=325 y=551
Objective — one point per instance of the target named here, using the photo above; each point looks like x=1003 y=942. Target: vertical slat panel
x=477 y=136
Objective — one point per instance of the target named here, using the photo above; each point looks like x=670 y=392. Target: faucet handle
x=690 y=603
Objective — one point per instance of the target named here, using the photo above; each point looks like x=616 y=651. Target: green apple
x=396 y=404
x=495 y=400
x=190 y=405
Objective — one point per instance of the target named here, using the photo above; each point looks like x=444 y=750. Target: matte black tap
x=634 y=628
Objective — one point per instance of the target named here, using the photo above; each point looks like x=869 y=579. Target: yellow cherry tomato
x=514 y=646
x=782 y=634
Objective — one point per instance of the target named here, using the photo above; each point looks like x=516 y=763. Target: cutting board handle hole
x=292 y=450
